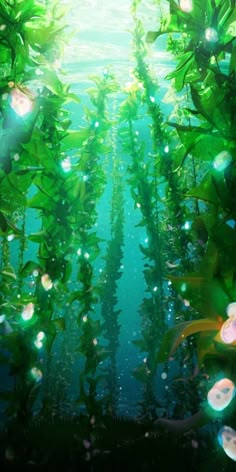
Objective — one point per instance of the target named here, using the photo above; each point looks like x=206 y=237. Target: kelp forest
x=75 y=196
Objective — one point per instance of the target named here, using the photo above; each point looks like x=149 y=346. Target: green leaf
x=75 y=139
x=205 y=191
x=180 y=332
x=187 y=62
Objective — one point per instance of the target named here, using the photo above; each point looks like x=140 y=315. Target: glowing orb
x=20 y=102
x=222 y=160
x=228 y=331
x=227 y=440
x=28 y=312
x=211 y=35
x=221 y=394
x=66 y=164
x=36 y=374
x=186 y=5
x=231 y=310
x=46 y=282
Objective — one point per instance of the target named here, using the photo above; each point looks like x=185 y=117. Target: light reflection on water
x=103 y=38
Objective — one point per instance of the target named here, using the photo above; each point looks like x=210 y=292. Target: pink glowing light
x=20 y=102
x=186 y=5
x=228 y=331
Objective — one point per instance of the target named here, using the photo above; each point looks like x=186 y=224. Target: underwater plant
x=206 y=69
x=111 y=274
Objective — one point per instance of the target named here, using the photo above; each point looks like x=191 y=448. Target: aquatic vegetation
x=59 y=320
x=111 y=273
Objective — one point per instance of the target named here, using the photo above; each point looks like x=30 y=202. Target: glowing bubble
x=222 y=160
x=186 y=5
x=221 y=394
x=46 y=282
x=164 y=375
x=66 y=164
x=211 y=35
x=227 y=440
x=187 y=225
x=38 y=344
x=28 y=312
x=20 y=102
x=36 y=374
x=231 y=310
x=40 y=335
x=10 y=237
x=228 y=331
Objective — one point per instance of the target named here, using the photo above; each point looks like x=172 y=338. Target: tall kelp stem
x=111 y=274
x=94 y=179
x=144 y=191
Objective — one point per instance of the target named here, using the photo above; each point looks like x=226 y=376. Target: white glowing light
x=3 y=27
x=164 y=375
x=79 y=252
x=231 y=310
x=46 y=282
x=28 y=312
x=211 y=35
x=222 y=160
x=20 y=102
x=95 y=342
x=36 y=374
x=38 y=72
x=96 y=124
x=138 y=205
x=183 y=287
x=40 y=336
x=86 y=255
x=155 y=289
x=228 y=331
x=2 y=318
x=221 y=394
x=187 y=225
x=227 y=440
x=85 y=318
x=38 y=344
x=166 y=149
x=186 y=5
x=35 y=273
x=152 y=99
x=10 y=237
x=66 y=164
